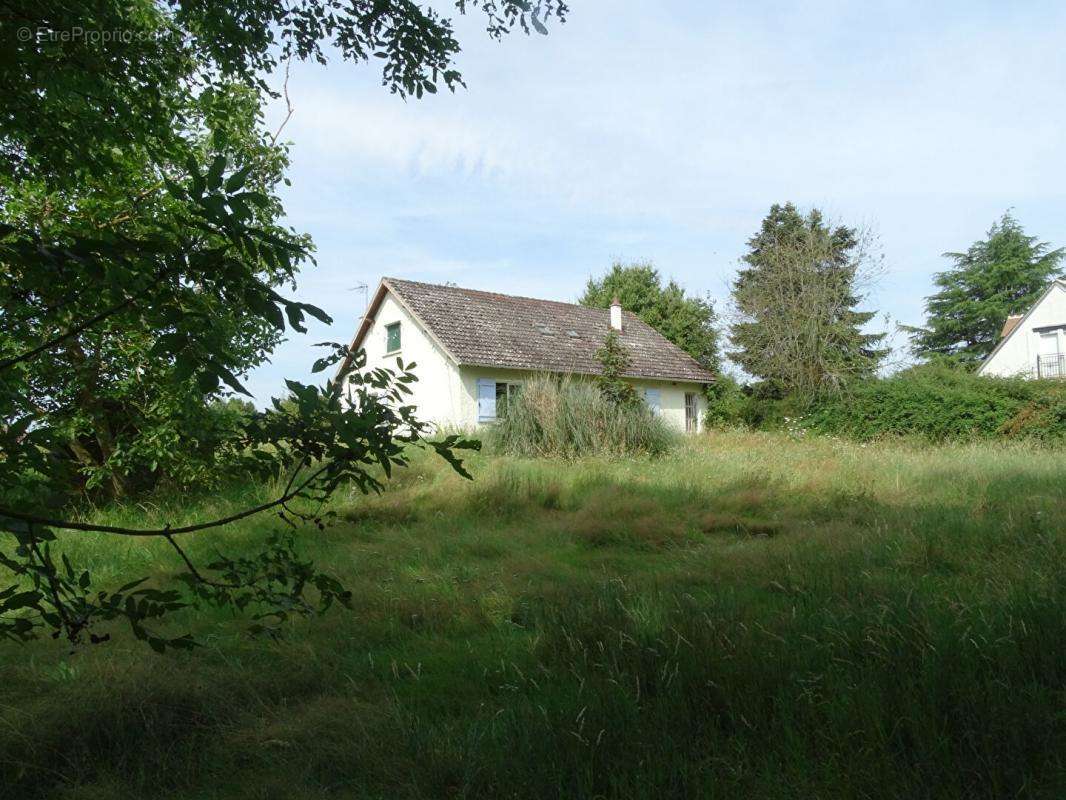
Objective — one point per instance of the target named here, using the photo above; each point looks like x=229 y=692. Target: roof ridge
x=496 y=294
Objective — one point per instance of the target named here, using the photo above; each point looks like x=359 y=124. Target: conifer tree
x=1000 y=275
x=798 y=328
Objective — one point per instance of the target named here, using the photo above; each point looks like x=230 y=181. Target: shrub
x=938 y=403
x=725 y=400
x=567 y=418
x=614 y=362
x=759 y=406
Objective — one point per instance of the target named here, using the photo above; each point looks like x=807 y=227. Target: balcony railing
x=1051 y=366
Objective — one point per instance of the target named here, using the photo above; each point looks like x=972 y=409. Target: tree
x=1000 y=275
x=688 y=322
x=615 y=362
x=131 y=422
x=141 y=250
x=797 y=327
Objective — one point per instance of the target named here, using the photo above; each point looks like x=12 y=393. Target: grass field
x=752 y=616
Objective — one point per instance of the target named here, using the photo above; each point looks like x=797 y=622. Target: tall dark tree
x=1000 y=275
x=798 y=328
x=689 y=322
x=143 y=269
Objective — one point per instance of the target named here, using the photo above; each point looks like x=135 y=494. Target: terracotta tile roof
x=499 y=330
x=1010 y=325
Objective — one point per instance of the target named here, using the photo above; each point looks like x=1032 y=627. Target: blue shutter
x=653 y=397
x=486 y=400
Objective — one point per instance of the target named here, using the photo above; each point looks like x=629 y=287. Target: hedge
x=941 y=404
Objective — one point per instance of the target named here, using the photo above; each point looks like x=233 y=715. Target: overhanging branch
x=168 y=531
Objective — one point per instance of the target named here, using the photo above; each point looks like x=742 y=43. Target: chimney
x=616 y=314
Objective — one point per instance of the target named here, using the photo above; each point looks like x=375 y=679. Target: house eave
x=704 y=381
x=370 y=315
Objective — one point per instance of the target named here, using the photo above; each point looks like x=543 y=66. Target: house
x=473 y=349
x=1033 y=344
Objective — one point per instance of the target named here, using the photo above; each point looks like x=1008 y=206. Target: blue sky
x=664 y=132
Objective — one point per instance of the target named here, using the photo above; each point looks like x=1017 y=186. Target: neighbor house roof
x=498 y=330
x=1010 y=324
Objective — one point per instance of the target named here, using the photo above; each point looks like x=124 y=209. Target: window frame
x=509 y=390
x=498 y=401
x=393 y=326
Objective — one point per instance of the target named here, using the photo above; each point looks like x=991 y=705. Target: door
x=692 y=414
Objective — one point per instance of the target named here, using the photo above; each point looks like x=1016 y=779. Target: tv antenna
x=362 y=287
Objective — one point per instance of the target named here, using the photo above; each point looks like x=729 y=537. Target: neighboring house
x=473 y=349
x=1033 y=344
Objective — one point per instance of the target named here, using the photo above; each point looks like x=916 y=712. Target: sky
x=664 y=132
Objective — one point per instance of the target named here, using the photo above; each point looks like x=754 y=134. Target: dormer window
x=392 y=338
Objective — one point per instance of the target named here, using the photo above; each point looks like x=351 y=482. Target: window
x=492 y=398
x=392 y=337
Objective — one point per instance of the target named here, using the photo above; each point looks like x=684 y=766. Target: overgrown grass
x=559 y=417
x=748 y=616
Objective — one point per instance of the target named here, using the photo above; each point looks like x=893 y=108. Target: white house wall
x=438 y=390
x=1017 y=355
x=672 y=399
x=672 y=394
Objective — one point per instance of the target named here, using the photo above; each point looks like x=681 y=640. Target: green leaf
x=215 y=206
x=237 y=179
x=168 y=343
x=207 y=380
x=317 y=313
x=214 y=173
x=256 y=199
x=296 y=317
x=231 y=380
x=273 y=315
x=26 y=599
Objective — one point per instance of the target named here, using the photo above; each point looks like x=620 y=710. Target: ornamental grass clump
x=563 y=417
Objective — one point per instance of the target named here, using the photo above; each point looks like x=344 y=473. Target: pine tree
x=799 y=330
x=614 y=359
x=1001 y=275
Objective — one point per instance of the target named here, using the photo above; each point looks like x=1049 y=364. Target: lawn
x=751 y=616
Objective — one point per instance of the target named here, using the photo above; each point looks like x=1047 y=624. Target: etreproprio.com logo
x=90 y=35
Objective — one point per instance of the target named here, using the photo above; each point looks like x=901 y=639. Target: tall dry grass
x=563 y=417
